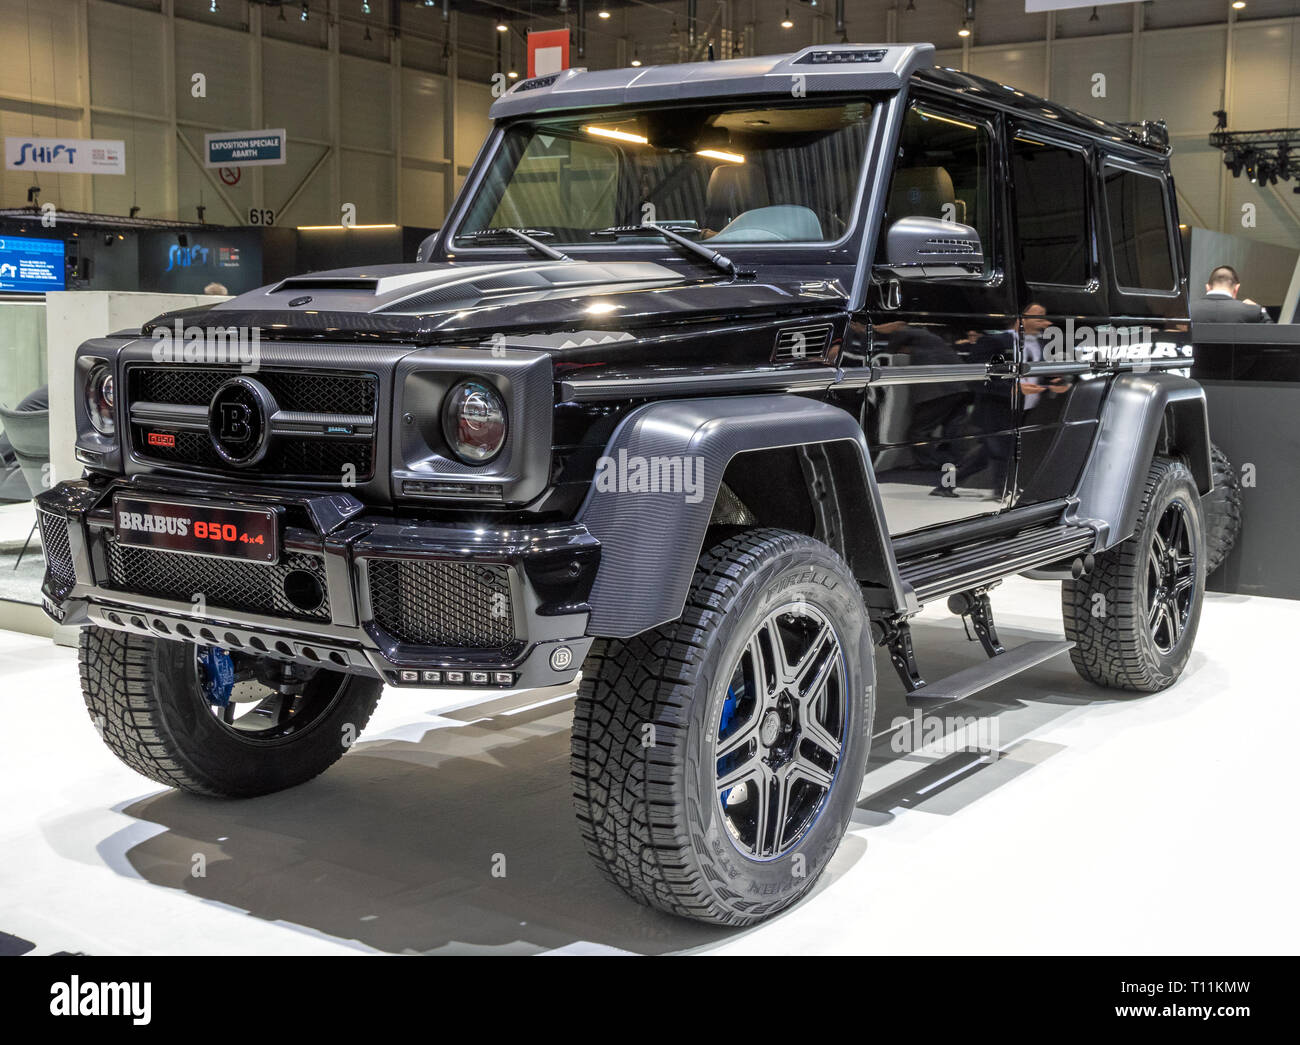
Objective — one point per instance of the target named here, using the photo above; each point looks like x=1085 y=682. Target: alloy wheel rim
x=1171 y=578
x=257 y=711
x=780 y=734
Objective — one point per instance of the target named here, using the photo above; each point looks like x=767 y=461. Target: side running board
x=971 y=680
x=972 y=566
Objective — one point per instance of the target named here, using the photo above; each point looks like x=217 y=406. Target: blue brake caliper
x=218 y=675
x=728 y=713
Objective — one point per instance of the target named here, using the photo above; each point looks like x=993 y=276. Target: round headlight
x=99 y=398
x=474 y=422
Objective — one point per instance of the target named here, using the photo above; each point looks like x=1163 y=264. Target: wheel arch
x=1143 y=415
x=796 y=463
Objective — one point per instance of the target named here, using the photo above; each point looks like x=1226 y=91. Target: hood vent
x=353 y=283
x=801 y=344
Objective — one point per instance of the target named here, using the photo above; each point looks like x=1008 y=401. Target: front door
x=940 y=421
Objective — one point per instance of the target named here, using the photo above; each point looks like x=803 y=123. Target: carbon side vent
x=796 y=344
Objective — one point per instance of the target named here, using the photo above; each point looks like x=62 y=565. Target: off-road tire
x=649 y=815
x=1221 y=508
x=1106 y=610
x=145 y=705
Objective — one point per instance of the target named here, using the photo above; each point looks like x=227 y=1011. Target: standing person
x=1220 y=305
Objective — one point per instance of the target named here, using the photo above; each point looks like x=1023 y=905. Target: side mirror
x=932 y=249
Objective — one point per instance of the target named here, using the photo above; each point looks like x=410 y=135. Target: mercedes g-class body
x=715 y=375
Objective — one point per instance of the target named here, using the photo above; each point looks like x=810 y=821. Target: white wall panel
x=366 y=95
x=422 y=198
x=125 y=70
x=1182 y=77
x=314 y=205
x=1075 y=64
x=1261 y=92
x=294 y=80
x=53 y=72
x=423 y=100
x=472 y=124
x=194 y=187
x=148 y=180
x=222 y=56
x=1022 y=67
x=367 y=181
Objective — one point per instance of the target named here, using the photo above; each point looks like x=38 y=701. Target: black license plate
x=197 y=529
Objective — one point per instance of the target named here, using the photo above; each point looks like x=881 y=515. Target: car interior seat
x=924 y=192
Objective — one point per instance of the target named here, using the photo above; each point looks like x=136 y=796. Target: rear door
x=1063 y=305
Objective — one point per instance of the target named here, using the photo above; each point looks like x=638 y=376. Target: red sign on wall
x=548 y=52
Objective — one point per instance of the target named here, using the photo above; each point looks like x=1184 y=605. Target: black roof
x=1146 y=137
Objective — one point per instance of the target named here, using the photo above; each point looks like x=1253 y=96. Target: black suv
x=715 y=375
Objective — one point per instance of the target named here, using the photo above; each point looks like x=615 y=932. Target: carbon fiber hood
x=425 y=303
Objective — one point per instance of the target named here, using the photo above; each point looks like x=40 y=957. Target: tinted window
x=1051 y=201
x=943 y=172
x=1139 y=230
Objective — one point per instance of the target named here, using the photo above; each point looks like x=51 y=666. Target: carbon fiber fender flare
x=1142 y=413
x=651 y=539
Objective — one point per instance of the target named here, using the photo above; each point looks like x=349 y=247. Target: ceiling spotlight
x=365 y=7
x=304 y=14
x=964 y=31
x=368 y=36
x=785 y=22
x=502 y=27
x=513 y=75
x=911 y=5
x=636 y=59
x=1094 y=17
x=213 y=7
x=1237 y=5
x=602 y=13
x=282 y=18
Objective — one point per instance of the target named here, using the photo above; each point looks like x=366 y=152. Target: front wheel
x=717 y=759
x=1133 y=619
x=214 y=722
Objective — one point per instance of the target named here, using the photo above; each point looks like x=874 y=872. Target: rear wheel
x=1222 y=510
x=218 y=723
x=717 y=759
x=1133 y=619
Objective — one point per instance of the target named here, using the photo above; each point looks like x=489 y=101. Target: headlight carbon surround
x=99 y=398
x=474 y=422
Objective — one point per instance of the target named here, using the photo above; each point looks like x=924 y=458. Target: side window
x=1136 y=208
x=1051 y=201
x=943 y=172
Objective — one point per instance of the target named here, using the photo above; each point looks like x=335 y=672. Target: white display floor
x=1108 y=823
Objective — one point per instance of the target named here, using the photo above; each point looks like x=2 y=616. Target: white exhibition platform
x=1106 y=823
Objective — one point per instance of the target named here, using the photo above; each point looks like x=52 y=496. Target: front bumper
x=414 y=602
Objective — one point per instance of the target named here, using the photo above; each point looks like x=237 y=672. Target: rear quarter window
x=1137 y=212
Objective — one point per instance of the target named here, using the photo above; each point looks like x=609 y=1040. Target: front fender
x=654 y=492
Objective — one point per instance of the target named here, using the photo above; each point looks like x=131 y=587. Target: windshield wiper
x=527 y=237
x=719 y=261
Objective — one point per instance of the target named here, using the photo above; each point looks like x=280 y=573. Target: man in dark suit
x=1220 y=304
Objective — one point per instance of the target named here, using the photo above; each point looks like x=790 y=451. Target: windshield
x=767 y=174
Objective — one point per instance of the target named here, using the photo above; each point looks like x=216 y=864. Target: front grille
x=302 y=458
x=447 y=604
x=293 y=390
x=59 y=571
x=231 y=584
x=315 y=457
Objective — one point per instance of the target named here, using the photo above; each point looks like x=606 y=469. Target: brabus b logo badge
x=239 y=421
